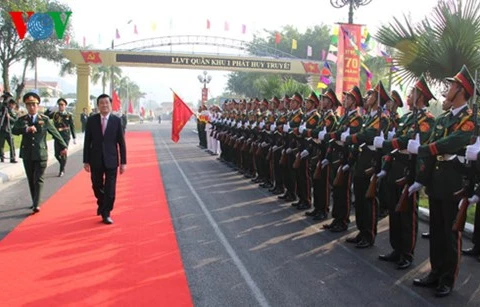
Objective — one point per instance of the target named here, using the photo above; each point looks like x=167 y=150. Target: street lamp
x=205 y=78
x=353 y=4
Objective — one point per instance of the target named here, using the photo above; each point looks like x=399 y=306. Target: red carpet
x=64 y=256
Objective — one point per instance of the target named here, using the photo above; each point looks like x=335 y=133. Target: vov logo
x=40 y=25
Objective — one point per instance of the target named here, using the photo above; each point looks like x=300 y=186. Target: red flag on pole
x=225 y=26
x=181 y=114
x=278 y=38
x=117 y=34
x=130 y=107
x=142 y=111
x=135 y=30
x=115 y=102
x=208 y=24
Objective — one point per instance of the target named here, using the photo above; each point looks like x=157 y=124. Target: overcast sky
x=97 y=21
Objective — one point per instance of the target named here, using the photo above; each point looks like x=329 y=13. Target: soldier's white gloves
x=378 y=140
x=261 y=125
x=321 y=134
x=274 y=148
x=285 y=128
x=254 y=125
x=413 y=145
x=344 y=135
x=325 y=162
x=284 y=151
x=289 y=150
x=381 y=174
x=391 y=134
x=473 y=200
x=239 y=124
x=302 y=128
x=304 y=154
x=415 y=187
x=472 y=150
x=273 y=127
x=346 y=167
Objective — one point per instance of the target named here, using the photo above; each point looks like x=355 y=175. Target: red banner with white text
x=348 y=64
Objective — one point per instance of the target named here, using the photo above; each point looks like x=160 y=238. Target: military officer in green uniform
x=309 y=122
x=64 y=122
x=366 y=207
x=447 y=147
x=398 y=163
x=339 y=156
x=321 y=186
x=7 y=118
x=293 y=122
x=33 y=149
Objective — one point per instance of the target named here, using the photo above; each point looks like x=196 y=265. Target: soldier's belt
x=63 y=129
x=450 y=158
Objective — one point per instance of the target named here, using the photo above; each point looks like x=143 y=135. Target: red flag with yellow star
x=181 y=114
x=311 y=67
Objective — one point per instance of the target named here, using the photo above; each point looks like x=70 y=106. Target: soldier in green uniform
x=321 y=185
x=310 y=121
x=447 y=148
x=391 y=108
x=278 y=169
x=33 y=149
x=64 y=122
x=339 y=156
x=398 y=164
x=7 y=118
x=366 y=207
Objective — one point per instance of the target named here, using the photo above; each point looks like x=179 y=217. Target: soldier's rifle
x=469 y=180
x=339 y=179
x=409 y=176
x=372 y=171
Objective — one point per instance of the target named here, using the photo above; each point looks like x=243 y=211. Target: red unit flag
x=181 y=115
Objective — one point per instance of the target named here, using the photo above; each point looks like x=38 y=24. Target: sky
x=98 y=20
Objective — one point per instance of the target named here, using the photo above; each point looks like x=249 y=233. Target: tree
x=13 y=50
x=439 y=45
x=103 y=74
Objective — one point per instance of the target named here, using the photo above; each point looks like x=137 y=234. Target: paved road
x=242 y=247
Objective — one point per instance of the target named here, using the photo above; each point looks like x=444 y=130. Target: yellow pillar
x=83 y=92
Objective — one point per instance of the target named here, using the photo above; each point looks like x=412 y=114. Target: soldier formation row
x=307 y=154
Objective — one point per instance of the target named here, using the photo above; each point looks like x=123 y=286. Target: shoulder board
x=42 y=116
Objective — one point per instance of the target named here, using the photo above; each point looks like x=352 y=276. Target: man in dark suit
x=83 y=119
x=33 y=150
x=104 y=141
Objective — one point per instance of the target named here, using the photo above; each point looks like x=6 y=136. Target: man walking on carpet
x=33 y=150
x=104 y=141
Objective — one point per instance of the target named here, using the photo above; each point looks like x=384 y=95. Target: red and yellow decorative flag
x=91 y=57
x=181 y=114
x=311 y=67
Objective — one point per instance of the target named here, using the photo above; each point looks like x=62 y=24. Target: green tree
x=437 y=46
x=103 y=74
